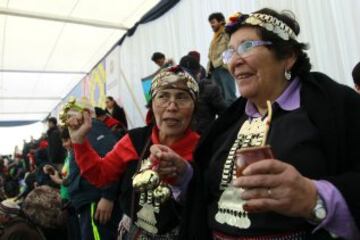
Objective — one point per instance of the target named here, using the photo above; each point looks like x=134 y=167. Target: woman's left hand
x=272 y=185
x=170 y=164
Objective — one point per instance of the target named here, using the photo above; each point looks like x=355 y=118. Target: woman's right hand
x=170 y=164
x=79 y=124
x=273 y=185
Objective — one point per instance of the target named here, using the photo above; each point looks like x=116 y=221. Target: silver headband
x=271 y=24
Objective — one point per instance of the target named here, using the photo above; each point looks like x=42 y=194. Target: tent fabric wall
x=327 y=25
x=92 y=86
x=47 y=47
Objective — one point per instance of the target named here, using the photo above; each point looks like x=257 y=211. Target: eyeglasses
x=242 y=49
x=181 y=99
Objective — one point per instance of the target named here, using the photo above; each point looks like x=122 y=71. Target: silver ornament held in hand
x=73 y=107
x=162 y=193
x=146 y=180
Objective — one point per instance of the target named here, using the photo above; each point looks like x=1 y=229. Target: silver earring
x=287 y=75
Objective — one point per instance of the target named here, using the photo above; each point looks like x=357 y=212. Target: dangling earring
x=287 y=74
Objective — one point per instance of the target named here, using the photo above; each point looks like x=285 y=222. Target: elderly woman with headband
x=284 y=160
x=152 y=161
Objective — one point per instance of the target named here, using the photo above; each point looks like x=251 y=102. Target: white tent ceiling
x=47 y=46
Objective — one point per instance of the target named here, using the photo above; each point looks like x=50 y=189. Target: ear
x=290 y=61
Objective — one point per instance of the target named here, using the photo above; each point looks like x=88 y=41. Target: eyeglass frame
x=172 y=99
x=240 y=50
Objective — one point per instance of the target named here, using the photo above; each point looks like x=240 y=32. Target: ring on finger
x=269 y=192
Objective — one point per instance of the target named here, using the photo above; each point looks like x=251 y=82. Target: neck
x=168 y=139
x=221 y=28
x=262 y=109
x=260 y=103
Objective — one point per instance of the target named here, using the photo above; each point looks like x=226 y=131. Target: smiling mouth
x=242 y=76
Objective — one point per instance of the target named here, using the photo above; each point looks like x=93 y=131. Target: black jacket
x=80 y=190
x=56 y=150
x=119 y=114
x=210 y=104
x=334 y=110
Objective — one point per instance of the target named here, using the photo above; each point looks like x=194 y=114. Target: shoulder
x=139 y=136
x=326 y=87
x=141 y=131
x=207 y=84
x=323 y=81
x=100 y=132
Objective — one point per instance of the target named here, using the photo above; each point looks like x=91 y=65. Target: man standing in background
x=216 y=66
x=159 y=59
x=55 y=148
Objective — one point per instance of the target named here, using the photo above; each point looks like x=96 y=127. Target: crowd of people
x=278 y=162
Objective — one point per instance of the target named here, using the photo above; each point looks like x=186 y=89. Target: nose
x=235 y=60
x=172 y=105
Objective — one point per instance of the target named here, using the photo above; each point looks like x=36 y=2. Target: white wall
x=329 y=26
x=14 y=136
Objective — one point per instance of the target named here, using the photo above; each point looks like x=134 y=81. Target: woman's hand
x=103 y=210
x=272 y=185
x=170 y=164
x=79 y=125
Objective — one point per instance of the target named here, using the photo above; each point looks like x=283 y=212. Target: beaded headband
x=268 y=22
x=172 y=77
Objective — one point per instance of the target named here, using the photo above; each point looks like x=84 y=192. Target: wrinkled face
x=258 y=73
x=215 y=25
x=173 y=110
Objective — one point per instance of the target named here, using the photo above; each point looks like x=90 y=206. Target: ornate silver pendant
x=230 y=209
x=146 y=218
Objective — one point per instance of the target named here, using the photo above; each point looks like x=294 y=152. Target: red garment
x=32 y=160
x=102 y=171
x=43 y=144
x=110 y=122
x=149 y=117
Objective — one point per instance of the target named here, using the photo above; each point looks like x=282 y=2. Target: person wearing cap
x=282 y=161
x=157 y=156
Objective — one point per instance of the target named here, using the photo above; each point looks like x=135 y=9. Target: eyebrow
x=168 y=90
x=244 y=40
x=177 y=93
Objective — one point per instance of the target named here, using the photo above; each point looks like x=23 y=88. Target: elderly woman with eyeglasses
x=151 y=161
x=283 y=162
